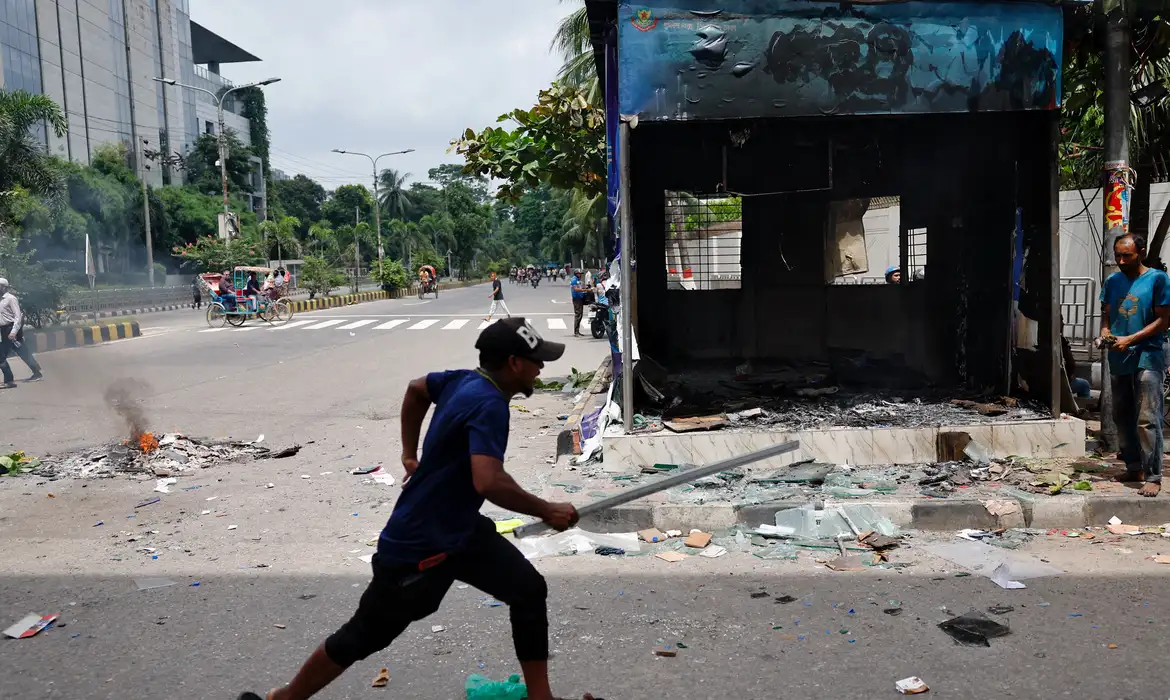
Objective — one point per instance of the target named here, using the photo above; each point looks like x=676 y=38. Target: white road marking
x=419 y=303
x=455 y=325
x=423 y=324
x=556 y=324
x=241 y=329
x=292 y=324
x=357 y=324
x=324 y=324
x=391 y=324
x=212 y=330
x=484 y=325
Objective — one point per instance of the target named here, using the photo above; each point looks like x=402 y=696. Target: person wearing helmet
x=894 y=275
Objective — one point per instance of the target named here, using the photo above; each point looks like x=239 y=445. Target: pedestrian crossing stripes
x=552 y=323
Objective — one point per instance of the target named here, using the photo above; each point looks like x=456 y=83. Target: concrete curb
x=303 y=305
x=79 y=336
x=1064 y=511
x=569 y=439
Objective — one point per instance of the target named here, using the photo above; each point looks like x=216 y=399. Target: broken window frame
x=678 y=209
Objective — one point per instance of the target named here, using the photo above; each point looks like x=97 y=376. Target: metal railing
x=1078 y=311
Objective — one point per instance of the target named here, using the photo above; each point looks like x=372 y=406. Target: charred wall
x=961 y=177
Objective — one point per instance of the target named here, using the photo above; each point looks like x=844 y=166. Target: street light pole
x=377 y=206
x=222 y=136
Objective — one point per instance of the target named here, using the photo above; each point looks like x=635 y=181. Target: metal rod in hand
x=682 y=477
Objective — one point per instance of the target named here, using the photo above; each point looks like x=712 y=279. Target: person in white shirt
x=12 y=338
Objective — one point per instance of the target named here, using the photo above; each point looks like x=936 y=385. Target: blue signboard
x=783 y=58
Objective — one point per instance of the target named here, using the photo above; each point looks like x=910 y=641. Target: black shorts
x=400 y=594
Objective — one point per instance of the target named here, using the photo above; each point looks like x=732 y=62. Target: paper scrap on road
x=1115 y=520
x=671 y=556
x=29 y=626
x=505 y=527
x=713 y=551
x=1005 y=568
x=437 y=628
x=911 y=686
x=384 y=479
x=145 y=584
x=382 y=679
x=162 y=485
x=367 y=558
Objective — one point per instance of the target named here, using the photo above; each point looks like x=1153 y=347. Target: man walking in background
x=1135 y=312
x=12 y=338
x=497 y=296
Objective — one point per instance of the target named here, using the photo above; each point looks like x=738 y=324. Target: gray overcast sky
x=385 y=75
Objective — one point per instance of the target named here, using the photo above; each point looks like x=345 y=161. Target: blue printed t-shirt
x=1131 y=308
x=439 y=507
x=575 y=281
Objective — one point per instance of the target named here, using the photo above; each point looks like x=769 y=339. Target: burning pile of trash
x=147 y=455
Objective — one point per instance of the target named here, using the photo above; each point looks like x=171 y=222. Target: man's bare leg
x=318 y=672
x=1150 y=489
x=536 y=678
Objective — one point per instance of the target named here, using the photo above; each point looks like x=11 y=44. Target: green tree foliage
x=41 y=293
x=255 y=110
x=392 y=193
x=339 y=208
x=425 y=200
x=213 y=254
x=429 y=256
x=280 y=238
x=559 y=141
x=575 y=47
x=23 y=159
x=394 y=275
x=301 y=198
x=319 y=276
x=204 y=174
x=449 y=173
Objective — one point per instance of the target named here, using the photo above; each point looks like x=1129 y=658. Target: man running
x=436 y=535
x=497 y=295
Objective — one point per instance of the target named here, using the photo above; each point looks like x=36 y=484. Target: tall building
x=97 y=59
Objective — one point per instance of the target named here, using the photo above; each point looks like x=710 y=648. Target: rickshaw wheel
x=422 y=289
x=280 y=311
x=237 y=318
x=216 y=315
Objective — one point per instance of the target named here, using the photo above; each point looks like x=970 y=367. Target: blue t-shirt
x=439 y=507
x=1131 y=308
x=575 y=281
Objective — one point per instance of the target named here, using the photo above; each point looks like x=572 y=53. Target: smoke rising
x=125 y=397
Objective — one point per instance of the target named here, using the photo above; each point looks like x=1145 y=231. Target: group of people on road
x=584 y=286
x=520 y=275
x=12 y=338
x=274 y=287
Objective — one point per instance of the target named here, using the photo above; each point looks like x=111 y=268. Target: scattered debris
x=652 y=535
x=1121 y=529
x=162 y=485
x=382 y=679
x=1000 y=609
x=280 y=626
x=609 y=551
x=174 y=454
x=973 y=629
x=505 y=527
x=435 y=629
x=148 y=502
x=286 y=452
x=686 y=425
x=146 y=584
x=29 y=626
x=666 y=651
x=480 y=688
x=760 y=594
x=698 y=540
x=911 y=686
x=671 y=556
x=713 y=551
x=785 y=599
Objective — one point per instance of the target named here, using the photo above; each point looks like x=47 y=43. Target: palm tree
x=572 y=42
x=392 y=193
x=282 y=234
x=582 y=225
x=24 y=160
x=437 y=228
x=322 y=237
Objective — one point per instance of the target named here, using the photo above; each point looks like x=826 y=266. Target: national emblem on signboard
x=644 y=20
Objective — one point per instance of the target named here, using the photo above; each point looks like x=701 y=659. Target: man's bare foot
x=1130 y=477
x=1150 y=489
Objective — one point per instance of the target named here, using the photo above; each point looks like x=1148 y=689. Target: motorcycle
x=599 y=316
x=535 y=281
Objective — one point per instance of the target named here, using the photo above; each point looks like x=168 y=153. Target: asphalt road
x=326 y=369
x=607 y=616
x=290 y=555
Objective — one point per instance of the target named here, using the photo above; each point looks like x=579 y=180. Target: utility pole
x=146 y=217
x=377 y=206
x=1117 y=179
x=357 y=249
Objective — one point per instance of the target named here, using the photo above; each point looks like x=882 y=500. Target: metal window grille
x=1078 y=311
x=916 y=249
x=703 y=238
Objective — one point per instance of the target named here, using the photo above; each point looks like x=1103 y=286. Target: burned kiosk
x=853 y=203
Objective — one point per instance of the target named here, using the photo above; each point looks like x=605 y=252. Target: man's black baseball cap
x=515 y=336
